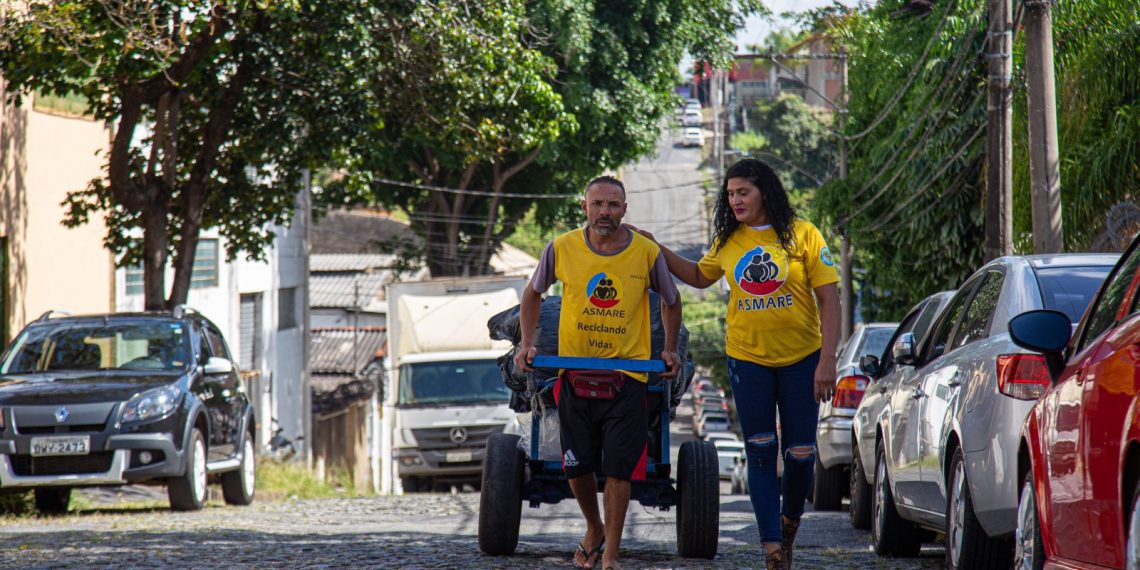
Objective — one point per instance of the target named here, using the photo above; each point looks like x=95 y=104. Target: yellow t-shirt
x=773 y=318
x=605 y=299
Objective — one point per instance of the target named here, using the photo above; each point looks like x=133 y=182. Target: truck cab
x=448 y=404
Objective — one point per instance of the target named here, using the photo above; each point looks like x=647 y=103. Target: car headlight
x=151 y=404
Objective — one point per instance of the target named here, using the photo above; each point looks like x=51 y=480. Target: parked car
x=711 y=422
x=727 y=451
x=704 y=390
x=1079 y=460
x=738 y=480
x=833 y=431
x=692 y=137
x=947 y=459
x=874 y=411
x=692 y=118
x=124 y=398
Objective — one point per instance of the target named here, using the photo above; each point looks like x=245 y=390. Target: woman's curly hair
x=780 y=212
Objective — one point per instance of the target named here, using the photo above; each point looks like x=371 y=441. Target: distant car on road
x=833 y=431
x=124 y=398
x=692 y=118
x=728 y=451
x=692 y=137
x=711 y=422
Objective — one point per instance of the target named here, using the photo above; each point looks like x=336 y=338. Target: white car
x=728 y=452
x=692 y=137
x=692 y=118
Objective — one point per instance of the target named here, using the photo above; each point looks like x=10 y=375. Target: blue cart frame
x=510 y=478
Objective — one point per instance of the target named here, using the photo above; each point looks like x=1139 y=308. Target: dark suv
x=124 y=398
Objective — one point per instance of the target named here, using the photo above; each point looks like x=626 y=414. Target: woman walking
x=782 y=329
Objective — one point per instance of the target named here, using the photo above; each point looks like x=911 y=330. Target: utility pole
x=999 y=145
x=847 y=281
x=1044 y=168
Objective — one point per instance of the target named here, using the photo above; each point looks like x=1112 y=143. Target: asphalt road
x=665 y=196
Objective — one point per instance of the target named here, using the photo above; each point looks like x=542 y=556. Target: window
x=249 y=335
x=205 y=272
x=216 y=344
x=941 y=335
x=1071 y=289
x=976 y=324
x=1103 y=315
x=135 y=280
x=887 y=359
x=926 y=318
x=286 y=308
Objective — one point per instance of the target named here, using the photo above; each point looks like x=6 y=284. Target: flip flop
x=588 y=554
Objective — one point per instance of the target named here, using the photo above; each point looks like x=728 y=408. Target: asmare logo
x=604 y=291
x=758 y=273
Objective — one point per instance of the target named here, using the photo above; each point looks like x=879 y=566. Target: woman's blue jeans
x=759 y=392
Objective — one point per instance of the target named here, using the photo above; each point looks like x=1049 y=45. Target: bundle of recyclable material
x=505 y=326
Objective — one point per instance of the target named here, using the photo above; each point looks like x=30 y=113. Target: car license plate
x=458 y=456
x=64 y=445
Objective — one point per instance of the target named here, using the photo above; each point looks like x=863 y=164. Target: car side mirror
x=904 y=349
x=870 y=365
x=1043 y=331
x=218 y=365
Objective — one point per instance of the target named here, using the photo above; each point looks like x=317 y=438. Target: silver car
x=885 y=373
x=946 y=457
x=833 y=432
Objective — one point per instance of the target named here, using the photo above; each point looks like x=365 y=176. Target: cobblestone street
x=416 y=531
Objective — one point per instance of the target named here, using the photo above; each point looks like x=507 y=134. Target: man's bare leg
x=585 y=488
x=616 y=500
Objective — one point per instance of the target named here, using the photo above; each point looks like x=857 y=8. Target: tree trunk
x=154 y=255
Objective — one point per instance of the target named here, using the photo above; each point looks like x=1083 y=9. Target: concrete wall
x=44 y=156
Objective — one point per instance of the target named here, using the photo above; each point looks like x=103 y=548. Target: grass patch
x=294 y=481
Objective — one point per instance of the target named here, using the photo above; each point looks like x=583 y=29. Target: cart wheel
x=500 y=501
x=698 y=510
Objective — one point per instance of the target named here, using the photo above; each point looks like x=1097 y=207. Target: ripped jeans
x=759 y=391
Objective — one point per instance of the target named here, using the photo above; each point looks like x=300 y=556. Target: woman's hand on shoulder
x=645 y=233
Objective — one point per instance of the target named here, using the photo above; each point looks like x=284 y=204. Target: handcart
x=511 y=478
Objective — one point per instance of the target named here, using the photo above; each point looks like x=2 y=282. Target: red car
x=1079 y=457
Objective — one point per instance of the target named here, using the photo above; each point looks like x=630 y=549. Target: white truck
x=445 y=395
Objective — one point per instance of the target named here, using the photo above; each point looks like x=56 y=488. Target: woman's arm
x=829 y=324
x=685 y=269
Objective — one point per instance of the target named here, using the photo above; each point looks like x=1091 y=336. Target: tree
x=590 y=81
x=216 y=106
x=797 y=140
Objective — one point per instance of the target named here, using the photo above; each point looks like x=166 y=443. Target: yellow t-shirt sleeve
x=820 y=265
x=709 y=265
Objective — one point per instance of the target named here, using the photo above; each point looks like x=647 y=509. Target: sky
x=756 y=28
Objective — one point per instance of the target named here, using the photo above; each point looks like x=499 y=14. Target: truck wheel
x=52 y=500
x=829 y=486
x=187 y=492
x=500 y=501
x=698 y=507
x=238 y=485
x=861 y=496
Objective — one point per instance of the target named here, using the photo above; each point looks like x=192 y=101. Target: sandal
x=587 y=555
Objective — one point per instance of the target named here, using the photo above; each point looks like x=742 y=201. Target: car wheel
x=1028 y=553
x=52 y=500
x=891 y=535
x=1132 y=544
x=967 y=544
x=829 y=485
x=188 y=491
x=239 y=485
x=861 y=496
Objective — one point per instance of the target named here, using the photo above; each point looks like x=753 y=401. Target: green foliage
x=748 y=142
x=912 y=201
x=1097 y=67
x=800 y=145
x=217 y=107
x=704 y=313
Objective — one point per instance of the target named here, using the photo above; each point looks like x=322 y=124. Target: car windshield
x=1070 y=289
x=874 y=342
x=102 y=345
x=452 y=382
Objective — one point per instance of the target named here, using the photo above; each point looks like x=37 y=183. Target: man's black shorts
x=610 y=433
